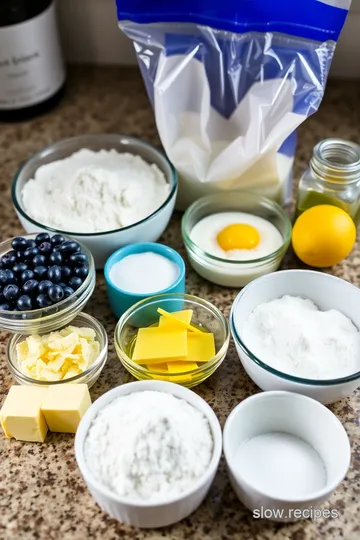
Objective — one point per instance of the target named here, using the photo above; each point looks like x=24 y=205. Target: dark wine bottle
x=32 y=71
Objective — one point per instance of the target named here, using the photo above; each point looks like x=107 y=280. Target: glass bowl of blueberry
x=45 y=281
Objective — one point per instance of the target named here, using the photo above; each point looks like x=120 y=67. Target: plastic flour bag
x=230 y=81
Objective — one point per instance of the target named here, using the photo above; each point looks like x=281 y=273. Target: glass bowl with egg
x=65 y=356
x=234 y=237
x=184 y=338
x=48 y=317
x=103 y=190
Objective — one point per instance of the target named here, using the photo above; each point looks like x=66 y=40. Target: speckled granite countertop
x=42 y=493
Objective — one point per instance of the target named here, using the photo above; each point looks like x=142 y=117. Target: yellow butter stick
x=178 y=321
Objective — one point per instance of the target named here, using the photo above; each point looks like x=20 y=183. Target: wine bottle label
x=31 y=64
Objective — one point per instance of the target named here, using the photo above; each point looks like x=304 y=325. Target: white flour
x=94 y=191
x=292 y=335
x=148 y=446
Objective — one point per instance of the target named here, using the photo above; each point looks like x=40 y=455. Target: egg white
x=205 y=232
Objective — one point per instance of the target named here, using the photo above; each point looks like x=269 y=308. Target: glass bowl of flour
x=103 y=190
x=299 y=330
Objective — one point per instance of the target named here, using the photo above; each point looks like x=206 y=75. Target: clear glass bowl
x=89 y=376
x=144 y=313
x=101 y=244
x=227 y=272
x=51 y=318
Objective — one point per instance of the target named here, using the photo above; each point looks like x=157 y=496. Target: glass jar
x=333 y=177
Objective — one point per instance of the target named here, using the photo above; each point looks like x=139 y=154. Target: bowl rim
x=100 y=330
x=126 y=139
x=323 y=492
x=79 y=292
x=177 y=391
x=261 y=363
x=262 y=201
x=143 y=247
x=196 y=299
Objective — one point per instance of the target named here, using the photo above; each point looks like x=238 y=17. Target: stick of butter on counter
x=29 y=411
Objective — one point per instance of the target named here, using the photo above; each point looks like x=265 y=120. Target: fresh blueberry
x=57 y=239
x=42 y=237
x=19 y=268
x=76 y=259
x=55 y=293
x=43 y=301
x=20 y=257
x=30 y=243
x=45 y=248
x=30 y=253
x=54 y=274
x=65 y=273
x=40 y=272
x=56 y=258
x=62 y=285
x=7 y=276
x=68 y=291
x=81 y=271
x=75 y=282
x=19 y=243
x=27 y=275
x=24 y=303
x=38 y=260
x=5 y=307
x=9 y=259
x=30 y=287
x=44 y=285
x=11 y=292
x=68 y=247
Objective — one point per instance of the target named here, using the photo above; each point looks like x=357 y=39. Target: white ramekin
x=297 y=415
x=144 y=514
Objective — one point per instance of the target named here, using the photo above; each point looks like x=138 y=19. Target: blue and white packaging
x=230 y=81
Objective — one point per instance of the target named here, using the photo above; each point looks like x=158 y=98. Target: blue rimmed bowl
x=101 y=244
x=121 y=300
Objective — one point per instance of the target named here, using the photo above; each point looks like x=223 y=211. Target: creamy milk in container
x=230 y=82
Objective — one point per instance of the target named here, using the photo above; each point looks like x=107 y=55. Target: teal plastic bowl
x=121 y=300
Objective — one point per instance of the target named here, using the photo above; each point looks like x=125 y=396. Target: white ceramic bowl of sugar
x=101 y=244
x=146 y=514
x=286 y=454
x=327 y=292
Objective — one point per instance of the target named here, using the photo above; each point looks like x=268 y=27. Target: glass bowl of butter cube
x=172 y=337
x=75 y=353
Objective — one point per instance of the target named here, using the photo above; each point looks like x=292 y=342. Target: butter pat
x=201 y=347
x=21 y=415
x=183 y=316
x=64 y=405
x=157 y=345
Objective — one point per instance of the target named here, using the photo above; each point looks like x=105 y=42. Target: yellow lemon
x=323 y=235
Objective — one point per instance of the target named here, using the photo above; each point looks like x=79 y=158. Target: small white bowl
x=327 y=292
x=144 y=514
x=301 y=417
x=101 y=244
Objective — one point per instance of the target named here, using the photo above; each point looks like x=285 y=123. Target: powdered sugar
x=94 y=191
x=292 y=335
x=148 y=446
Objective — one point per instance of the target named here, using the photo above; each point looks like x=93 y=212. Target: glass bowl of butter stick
x=172 y=337
x=76 y=353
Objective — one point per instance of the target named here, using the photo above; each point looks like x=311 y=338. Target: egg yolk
x=238 y=236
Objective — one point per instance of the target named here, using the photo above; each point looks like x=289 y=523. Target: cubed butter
x=157 y=345
x=183 y=316
x=64 y=405
x=21 y=415
x=201 y=347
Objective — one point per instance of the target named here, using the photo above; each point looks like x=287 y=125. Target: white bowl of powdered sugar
x=148 y=452
x=298 y=330
x=104 y=190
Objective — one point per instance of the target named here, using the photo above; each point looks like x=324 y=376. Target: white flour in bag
x=148 y=446
x=91 y=192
